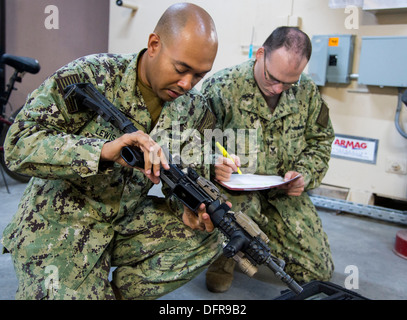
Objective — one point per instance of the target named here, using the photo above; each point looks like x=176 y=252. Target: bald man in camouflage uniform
x=85 y=210
x=294 y=136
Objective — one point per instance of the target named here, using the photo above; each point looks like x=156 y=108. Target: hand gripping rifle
x=247 y=243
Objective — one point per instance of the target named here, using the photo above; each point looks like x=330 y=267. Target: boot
x=219 y=276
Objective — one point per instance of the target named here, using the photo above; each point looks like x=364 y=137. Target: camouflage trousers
x=294 y=228
x=153 y=251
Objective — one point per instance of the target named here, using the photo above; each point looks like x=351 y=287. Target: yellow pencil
x=226 y=155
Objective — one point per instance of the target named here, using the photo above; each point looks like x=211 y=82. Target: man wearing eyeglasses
x=273 y=96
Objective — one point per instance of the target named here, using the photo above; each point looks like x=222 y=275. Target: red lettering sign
x=350 y=144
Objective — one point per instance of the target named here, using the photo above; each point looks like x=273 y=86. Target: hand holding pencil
x=223 y=170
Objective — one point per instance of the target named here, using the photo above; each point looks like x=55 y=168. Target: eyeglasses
x=273 y=81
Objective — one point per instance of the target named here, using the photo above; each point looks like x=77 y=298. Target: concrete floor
x=362 y=250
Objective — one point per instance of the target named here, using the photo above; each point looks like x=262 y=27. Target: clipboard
x=254 y=182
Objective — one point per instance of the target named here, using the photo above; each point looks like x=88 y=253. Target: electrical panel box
x=383 y=61
x=332 y=59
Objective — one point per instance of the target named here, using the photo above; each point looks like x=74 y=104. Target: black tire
x=16 y=176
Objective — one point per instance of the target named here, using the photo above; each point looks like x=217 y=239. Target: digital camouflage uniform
x=296 y=137
x=78 y=217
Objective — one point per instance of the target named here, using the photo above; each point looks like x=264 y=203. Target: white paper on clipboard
x=254 y=182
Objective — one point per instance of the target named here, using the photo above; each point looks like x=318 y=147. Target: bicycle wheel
x=16 y=176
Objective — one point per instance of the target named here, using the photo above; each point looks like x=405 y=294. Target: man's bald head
x=180 y=51
x=188 y=21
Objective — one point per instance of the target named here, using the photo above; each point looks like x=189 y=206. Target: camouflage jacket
x=74 y=203
x=297 y=136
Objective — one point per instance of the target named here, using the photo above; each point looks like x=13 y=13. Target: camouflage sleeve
x=214 y=97
x=42 y=141
x=319 y=135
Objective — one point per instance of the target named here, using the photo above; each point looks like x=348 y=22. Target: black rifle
x=247 y=243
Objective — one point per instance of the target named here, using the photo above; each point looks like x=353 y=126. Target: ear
x=260 y=53
x=154 y=44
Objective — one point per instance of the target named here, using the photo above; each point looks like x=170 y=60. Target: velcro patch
x=208 y=122
x=323 y=116
x=62 y=82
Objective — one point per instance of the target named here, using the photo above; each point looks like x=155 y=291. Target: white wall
x=355 y=110
x=234 y=19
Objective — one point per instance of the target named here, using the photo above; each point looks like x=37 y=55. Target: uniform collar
x=132 y=103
